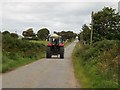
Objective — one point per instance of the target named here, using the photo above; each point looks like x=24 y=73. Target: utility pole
x=91 y=35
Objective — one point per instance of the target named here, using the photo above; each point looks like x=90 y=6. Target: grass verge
x=98 y=66
x=11 y=64
x=79 y=71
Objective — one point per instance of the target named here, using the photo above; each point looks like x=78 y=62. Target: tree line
x=42 y=34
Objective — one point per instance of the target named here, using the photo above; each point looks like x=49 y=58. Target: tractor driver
x=55 y=41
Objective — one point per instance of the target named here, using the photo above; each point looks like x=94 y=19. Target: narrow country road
x=44 y=73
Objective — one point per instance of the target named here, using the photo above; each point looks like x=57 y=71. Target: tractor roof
x=55 y=36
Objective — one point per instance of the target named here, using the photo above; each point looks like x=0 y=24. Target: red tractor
x=55 y=46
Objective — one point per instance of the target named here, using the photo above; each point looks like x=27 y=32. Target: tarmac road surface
x=44 y=73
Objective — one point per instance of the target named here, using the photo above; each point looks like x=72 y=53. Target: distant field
x=68 y=42
x=46 y=42
x=40 y=42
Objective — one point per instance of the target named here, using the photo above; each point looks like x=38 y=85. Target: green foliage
x=5 y=32
x=86 y=33
x=100 y=63
x=43 y=33
x=14 y=35
x=79 y=71
x=19 y=52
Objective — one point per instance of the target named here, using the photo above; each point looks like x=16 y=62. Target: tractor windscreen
x=55 y=41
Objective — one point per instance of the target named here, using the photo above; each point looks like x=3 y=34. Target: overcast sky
x=56 y=16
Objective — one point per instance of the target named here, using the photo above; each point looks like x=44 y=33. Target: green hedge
x=19 y=52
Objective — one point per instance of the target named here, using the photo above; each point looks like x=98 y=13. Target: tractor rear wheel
x=61 y=52
x=48 y=53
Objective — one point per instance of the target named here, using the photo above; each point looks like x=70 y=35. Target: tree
x=86 y=33
x=14 y=35
x=29 y=33
x=67 y=34
x=43 y=33
x=106 y=25
x=5 y=32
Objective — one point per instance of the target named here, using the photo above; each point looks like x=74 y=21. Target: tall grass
x=98 y=65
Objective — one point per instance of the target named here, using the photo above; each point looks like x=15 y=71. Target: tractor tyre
x=61 y=52
x=48 y=53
